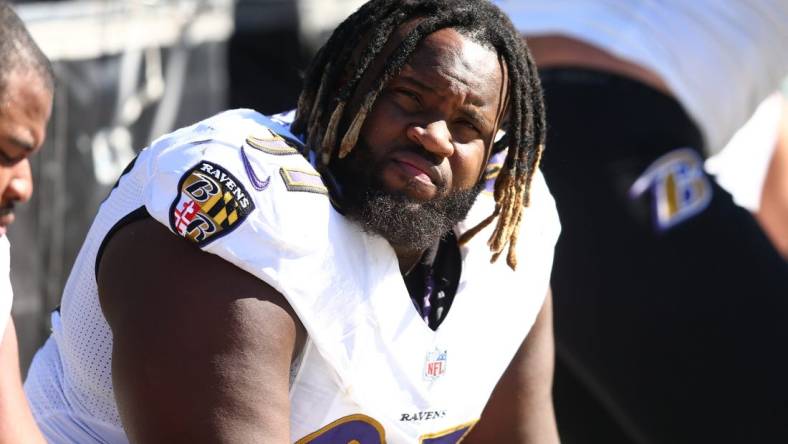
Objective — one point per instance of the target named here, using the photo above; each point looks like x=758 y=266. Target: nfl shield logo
x=435 y=365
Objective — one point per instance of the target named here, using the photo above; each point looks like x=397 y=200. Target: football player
x=670 y=299
x=330 y=275
x=26 y=86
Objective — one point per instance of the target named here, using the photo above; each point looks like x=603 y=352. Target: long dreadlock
x=323 y=102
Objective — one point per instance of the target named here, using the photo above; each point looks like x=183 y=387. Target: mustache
x=422 y=152
x=361 y=171
x=7 y=209
x=409 y=148
x=429 y=157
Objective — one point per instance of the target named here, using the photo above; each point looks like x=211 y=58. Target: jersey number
x=362 y=429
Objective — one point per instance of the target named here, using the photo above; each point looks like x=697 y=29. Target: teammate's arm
x=520 y=409
x=201 y=349
x=16 y=423
x=773 y=208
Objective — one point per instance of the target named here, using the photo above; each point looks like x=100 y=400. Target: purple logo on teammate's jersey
x=679 y=187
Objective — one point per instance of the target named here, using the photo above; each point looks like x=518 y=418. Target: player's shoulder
x=238 y=170
x=242 y=144
x=230 y=127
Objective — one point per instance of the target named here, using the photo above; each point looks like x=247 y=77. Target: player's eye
x=468 y=127
x=407 y=97
x=465 y=131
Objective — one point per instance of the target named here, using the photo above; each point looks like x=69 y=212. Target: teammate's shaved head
x=18 y=51
x=329 y=87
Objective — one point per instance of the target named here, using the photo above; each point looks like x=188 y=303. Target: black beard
x=405 y=222
x=410 y=224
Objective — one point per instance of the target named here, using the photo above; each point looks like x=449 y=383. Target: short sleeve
x=254 y=201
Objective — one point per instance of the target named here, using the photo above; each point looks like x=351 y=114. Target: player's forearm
x=773 y=211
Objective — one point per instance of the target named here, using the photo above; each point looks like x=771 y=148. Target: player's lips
x=419 y=168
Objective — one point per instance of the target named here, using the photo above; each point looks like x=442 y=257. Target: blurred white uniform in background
x=742 y=165
x=710 y=53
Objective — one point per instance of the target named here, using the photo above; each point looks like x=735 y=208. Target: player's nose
x=435 y=137
x=20 y=185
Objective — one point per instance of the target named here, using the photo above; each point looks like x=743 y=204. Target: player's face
x=24 y=111
x=431 y=128
x=416 y=169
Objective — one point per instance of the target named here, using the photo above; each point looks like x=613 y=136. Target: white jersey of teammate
x=371 y=369
x=699 y=48
x=6 y=293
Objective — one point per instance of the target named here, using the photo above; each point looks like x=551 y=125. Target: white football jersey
x=371 y=370
x=6 y=295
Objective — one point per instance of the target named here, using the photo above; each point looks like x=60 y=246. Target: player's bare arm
x=520 y=409
x=202 y=350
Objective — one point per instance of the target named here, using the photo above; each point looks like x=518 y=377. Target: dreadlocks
x=323 y=102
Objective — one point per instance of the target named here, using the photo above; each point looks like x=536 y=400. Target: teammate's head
x=410 y=74
x=26 y=86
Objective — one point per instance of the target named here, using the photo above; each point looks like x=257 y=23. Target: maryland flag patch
x=211 y=203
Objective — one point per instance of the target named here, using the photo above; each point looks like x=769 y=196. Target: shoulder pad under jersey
x=237 y=185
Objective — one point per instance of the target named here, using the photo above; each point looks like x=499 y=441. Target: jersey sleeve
x=255 y=201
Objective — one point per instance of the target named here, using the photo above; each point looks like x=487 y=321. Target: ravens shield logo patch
x=679 y=186
x=211 y=203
